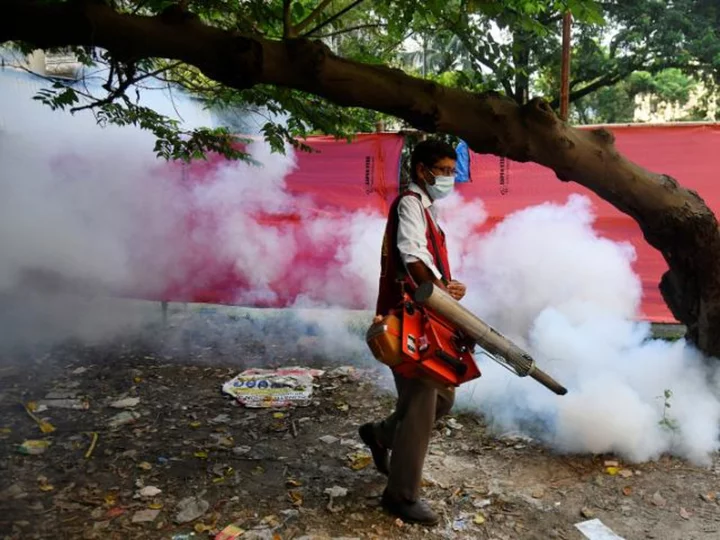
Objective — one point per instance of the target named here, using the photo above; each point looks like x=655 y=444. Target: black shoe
x=379 y=454
x=410 y=512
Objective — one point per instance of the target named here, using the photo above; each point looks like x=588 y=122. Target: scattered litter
x=459 y=525
x=123 y=418
x=202 y=528
x=73 y=404
x=221 y=419
x=144 y=465
x=190 y=509
x=515 y=437
x=229 y=533
x=221 y=440
x=658 y=500
x=453 y=424
x=342 y=371
x=33 y=447
x=183 y=536
x=290 y=513
x=612 y=464
x=127 y=403
x=627 y=491
x=79 y=371
x=684 y=513
x=359 y=460
x=336 y=492
x=612 y=471
x=93 y=442
x=32 y=406
x=259 y=388
x=587 y=513
x=43 y=484
x=328 y=439
x=295 y=497
x=709 y=497
x=241 y=450
x=45 y=427
x=479 y=519
x=595 y=529
x=482 y=503
x=148 y=492
x=62 y=394
x=626 y=473
x=115 y=512
x=145 y=516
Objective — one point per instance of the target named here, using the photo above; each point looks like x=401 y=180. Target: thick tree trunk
x=674 y=220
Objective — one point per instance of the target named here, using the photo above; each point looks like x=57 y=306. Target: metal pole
x=565 y=75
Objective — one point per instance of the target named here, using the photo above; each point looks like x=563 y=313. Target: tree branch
x=314 y=14
x=607 y=80
x=350 y=29
x=673 y=219
x=288 y=30
x=122 y=87
x=333 y=18
x=611 y=79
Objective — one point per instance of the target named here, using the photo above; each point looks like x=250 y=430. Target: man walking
x=413 y=253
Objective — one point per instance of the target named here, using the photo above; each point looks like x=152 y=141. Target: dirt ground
x=267 y=471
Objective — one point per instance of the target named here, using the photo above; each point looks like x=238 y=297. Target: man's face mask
x=443 y=185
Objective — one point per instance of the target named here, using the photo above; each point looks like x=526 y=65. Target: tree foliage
x=370 y=31
x=620 y=49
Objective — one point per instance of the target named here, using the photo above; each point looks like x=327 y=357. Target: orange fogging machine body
x=432 y=336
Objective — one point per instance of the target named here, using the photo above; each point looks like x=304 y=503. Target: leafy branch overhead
x=510 y=46
x=235 y=54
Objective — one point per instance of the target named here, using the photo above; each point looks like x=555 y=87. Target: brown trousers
x=407 y=432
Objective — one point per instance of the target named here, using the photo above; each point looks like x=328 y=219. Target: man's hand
x=456 y=290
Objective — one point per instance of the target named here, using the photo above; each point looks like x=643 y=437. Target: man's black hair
x=429 y=152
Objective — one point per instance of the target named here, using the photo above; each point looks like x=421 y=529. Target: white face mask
x=442 y=187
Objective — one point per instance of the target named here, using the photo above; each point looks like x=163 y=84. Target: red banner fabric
x=296 y=238
x=690 y=154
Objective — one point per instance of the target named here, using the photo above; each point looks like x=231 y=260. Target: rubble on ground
x=160 y=452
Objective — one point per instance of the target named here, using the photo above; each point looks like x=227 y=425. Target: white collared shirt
x=412 y=226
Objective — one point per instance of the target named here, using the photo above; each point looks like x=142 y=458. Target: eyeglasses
x=446 y=171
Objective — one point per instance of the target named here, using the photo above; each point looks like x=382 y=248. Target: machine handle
x=459 y=367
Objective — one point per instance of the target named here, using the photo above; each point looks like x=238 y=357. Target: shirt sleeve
x=411 y=238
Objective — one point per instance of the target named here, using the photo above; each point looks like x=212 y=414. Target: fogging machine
x=433 y=336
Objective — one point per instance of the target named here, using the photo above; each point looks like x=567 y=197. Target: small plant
x=667 y=421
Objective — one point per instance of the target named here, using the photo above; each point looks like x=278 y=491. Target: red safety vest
x=393 y=276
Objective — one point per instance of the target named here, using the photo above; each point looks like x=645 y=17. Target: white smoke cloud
x=91 y=210
x=94 y=208
x=544 y=278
